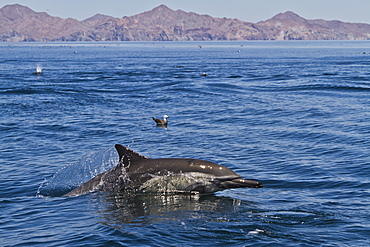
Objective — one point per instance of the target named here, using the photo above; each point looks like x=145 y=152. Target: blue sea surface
x=293 y=115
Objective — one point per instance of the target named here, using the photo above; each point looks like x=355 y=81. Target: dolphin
x=137 y=173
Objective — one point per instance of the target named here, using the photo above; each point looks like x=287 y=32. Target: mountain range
x=20 y=23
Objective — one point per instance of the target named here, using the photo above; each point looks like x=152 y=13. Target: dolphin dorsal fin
x=126 y=155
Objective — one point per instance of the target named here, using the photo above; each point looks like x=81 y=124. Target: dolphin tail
x=241 y=183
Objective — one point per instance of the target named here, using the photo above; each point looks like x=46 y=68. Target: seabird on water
x=161 y=122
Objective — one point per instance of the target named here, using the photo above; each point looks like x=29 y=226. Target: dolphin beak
x=241 y=183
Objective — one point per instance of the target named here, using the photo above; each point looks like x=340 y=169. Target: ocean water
x=292 y=115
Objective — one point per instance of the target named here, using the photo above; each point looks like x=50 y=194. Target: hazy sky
x=246 y=10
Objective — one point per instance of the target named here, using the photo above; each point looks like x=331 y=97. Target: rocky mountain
x=20 y=23
x=290 y=26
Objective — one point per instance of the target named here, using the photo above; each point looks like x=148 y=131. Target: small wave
x=255 y=232
x=22 y=91
x=234 y=76
x=316 y=87
x=214 y=87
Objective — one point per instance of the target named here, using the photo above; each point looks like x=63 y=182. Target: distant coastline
x=21 y=24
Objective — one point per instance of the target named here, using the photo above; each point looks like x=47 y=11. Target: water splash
x=38 y=69
x=74 y=175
